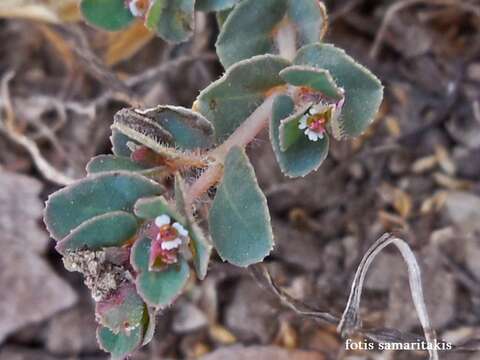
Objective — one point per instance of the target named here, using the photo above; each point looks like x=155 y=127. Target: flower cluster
x=315 y=120
x=167 y=240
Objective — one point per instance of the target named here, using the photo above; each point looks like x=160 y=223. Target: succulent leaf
x=190 y=130
x=239 y=219
x=150 y=208
x=147 y=132
x=150 y=320
x=95 y=195
x=121 y=311
x=200 y=245
x=121 y=344
x=105 y=163
x=303 y=155
x=107 y=230
x=110 y=15
x=214 y=5
x=157 y=288
x=173 y=20
x=317 y=79
x=231 y=99
x=253 y=25
x=119 y=143
x=363 y=90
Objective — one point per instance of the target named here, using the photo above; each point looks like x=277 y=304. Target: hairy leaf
x=317 y=79
x=119 y=143
x=106 y=230
x=119 y=345
x=231 y=99
x=190 y=130
x=121 y=311
x=253 y=26
x=95 y=195
x=104 y=163
x=150 y=208
x=363 y=91
x=111 y=15
x=172 y=19
x=239 y=220
x=157 y=288
x=303 y=155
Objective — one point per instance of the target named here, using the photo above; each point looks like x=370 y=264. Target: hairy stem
x=245 y=133
x=286 y=40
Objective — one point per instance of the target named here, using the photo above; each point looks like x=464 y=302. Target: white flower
x=303 y=122
x=138 y=7
x=312 y=135
x=173 y=244
x=162 y=220
x=180 y=229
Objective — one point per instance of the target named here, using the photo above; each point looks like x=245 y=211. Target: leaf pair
x=356 y=95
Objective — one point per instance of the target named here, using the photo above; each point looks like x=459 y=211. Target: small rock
x=72 y=331
x=439 y=289
x=464 y=210
x=21 y=210
x=261 y=353
x=32 y=291
x=188 y=318
x=20 y=353
x=383 y=270
x=296 y=247
x=251 y=314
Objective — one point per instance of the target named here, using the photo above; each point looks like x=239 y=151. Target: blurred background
x=416 y=170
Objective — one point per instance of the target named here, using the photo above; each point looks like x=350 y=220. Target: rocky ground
x=416 y=171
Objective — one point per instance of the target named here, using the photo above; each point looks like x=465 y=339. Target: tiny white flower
x=303 y=122
x=162 y=220
x=173 y=244
x=137 y=7
x=180 y=229
x=312 y=136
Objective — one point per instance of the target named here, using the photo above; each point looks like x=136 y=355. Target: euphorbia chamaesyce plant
x=133 y=227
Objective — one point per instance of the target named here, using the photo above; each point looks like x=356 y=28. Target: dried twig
x=401 y=5
x=350 y=319
x=7 y=127
x=349 y=323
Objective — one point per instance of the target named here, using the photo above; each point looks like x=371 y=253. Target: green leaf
x=222 y=17
x=149 y=133
x=363 y=91
x=119 y=143
x=122 y=310
x=239 y=220
x=107 y=230
x=252 y=27
x=303 y=155
x=157 y=288
x=150 y=321
x=119 y=345
x=111 y=15
x=104 y=163
x=199 y=245
x=150 y=208
x=171 y=19
x=190 y=130
x=95 y=195
x=317 y=79
x=214 y=5
x=237 y=94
